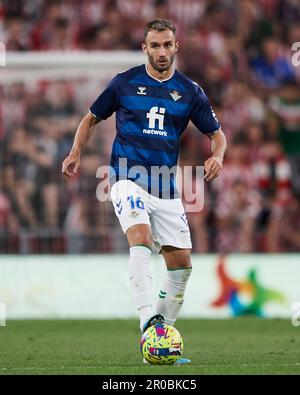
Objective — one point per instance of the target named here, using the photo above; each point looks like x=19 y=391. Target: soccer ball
x=161 y=344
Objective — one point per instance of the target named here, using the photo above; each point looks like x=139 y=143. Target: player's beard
x=161 y=68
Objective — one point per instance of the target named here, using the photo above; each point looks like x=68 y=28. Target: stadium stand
x=239 y=52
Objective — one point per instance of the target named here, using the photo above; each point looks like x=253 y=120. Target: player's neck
x=161 y=76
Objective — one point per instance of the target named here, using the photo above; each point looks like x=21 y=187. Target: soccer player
x=153 y=104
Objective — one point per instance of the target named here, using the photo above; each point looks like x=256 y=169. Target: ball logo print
x=154 y=115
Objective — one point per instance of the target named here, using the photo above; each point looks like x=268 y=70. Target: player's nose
x=162 y=51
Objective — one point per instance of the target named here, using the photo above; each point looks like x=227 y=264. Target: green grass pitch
x=111 y=347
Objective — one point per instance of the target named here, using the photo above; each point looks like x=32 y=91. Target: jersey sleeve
x=107 y=102
x=203 y=116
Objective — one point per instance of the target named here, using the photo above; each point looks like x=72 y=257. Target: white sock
x=171 y=295
x=140 y=277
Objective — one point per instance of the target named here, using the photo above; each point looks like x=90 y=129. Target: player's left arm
x=213 y=165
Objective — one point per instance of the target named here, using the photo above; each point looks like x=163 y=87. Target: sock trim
x=179 y=268
x=142 y=245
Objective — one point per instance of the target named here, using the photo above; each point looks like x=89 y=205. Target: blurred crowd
x=240 y=52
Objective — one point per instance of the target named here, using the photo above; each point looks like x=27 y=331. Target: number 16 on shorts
x=136 y=202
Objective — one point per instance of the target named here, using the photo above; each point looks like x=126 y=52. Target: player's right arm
x=102 y=108
x=83 y=133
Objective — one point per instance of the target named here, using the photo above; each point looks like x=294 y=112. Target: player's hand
x=212 y=168
x=71 y=165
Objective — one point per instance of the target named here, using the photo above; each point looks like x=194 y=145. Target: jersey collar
x=167 y=79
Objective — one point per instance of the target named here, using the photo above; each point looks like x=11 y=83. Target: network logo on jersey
x=156 y=117
x=233 y=292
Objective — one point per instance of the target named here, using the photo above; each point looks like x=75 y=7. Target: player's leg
x=140 y=275
x=171 y=296
x=132 y=209
x=170 y=229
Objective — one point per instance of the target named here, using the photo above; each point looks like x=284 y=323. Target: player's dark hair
x=159 y=25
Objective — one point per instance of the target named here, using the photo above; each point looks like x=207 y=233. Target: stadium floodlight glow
x=2 y=54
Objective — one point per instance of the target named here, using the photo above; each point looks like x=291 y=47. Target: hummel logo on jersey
x=141 y=90
x=175 y=95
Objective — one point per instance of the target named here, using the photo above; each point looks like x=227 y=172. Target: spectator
x=240 y=54
x=272 y=69
x=289 y=228
x=236 y=214
x=16 y=40
x=286 y=107
x=86 y=220
x=32 y=172
x=237 y=202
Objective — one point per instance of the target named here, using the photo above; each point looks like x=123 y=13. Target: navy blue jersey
x=151 y=115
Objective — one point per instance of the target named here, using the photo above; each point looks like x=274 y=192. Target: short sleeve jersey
x=151 y=115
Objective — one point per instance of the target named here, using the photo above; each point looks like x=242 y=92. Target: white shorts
x=167 y=218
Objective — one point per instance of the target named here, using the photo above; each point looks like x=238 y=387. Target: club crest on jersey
x=175 y=95
x=133 y=214
x=141 y=90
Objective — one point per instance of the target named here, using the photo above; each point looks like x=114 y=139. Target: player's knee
x=140 y=235
x=178 y=258
x=145 y=240
x=142 y=239
x=186 y=259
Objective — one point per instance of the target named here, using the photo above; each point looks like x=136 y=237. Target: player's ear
x=176 y=46
x=144 y=48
